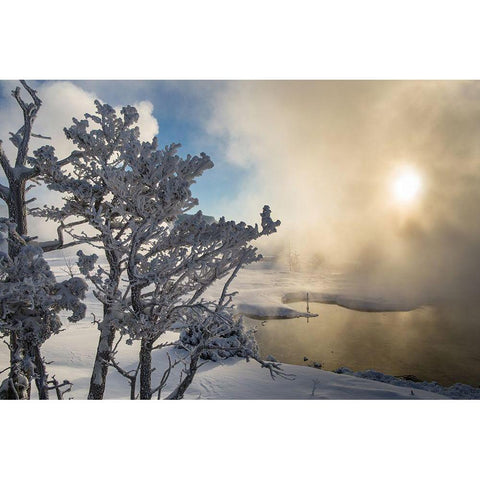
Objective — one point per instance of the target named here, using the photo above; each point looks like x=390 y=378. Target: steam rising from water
x=322 y=154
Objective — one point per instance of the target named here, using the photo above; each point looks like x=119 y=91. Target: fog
x=324 y=155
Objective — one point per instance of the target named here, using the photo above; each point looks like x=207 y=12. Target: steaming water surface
x=440 y=343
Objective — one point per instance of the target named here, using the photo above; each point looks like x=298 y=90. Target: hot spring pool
x=439 y=344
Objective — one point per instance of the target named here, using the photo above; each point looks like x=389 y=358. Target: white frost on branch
x=31 y=298
x=132 y=193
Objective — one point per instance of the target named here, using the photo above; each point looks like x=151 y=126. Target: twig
x=57 y=386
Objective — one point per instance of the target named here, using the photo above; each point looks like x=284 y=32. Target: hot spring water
x=433 y=343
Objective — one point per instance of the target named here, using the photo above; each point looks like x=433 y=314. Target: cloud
x=61 y=101
x=147 y=122
x=323 y=154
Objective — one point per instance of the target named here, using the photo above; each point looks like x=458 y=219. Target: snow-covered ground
x=260 y=293
x=73 y=351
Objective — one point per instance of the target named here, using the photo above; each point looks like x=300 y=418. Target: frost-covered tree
x=159 y=263
x=18 y=173
x=169 y=268
x=30 y=300
x=212 y=332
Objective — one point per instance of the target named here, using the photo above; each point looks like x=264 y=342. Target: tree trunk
x=40 y=373
x=14 y=356
x=107 y=334
x=133 y=384
x=146 y=370
x=178 y=393
x=17 y=212
x=16 y=388
x=104 y=349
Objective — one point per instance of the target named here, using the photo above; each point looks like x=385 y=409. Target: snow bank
x=241 y=380
x=266 y=312
x=456 y=391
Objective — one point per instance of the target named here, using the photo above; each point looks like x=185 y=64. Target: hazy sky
x=324 y=155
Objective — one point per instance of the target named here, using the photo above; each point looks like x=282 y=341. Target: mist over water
x=324 y=155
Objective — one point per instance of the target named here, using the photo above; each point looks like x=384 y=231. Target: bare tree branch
x=130 y=375
x=57 y=387
x=29 y=113
x=4 y=193
x=5 y=164
x=59 y=243
x=228 y=282
x=33 y=93
x=165 y=376
x=5 y=369
x=275 y=369
x=44 y=137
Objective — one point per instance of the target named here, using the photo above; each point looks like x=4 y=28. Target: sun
x=407 y=185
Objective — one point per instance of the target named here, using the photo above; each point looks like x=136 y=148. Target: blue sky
x=183 y=109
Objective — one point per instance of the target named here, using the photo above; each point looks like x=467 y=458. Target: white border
x=240 y=40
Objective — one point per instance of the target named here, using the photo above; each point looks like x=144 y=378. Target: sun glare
x=406 y=185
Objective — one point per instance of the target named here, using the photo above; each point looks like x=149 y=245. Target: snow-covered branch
x=59 y=242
